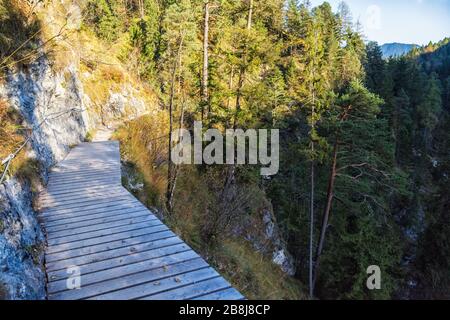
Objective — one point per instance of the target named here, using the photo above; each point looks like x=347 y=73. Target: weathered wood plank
x=74 y=181
x=45 y=194
x=154 y=287
x=85 y=184
x=133 y=257
x=148 y=222
x=109 y=214
x=191 y=291
x=129 y=219
x=106 y=239
x=110 y=254
x=224 y=294
x=100 y=204
x=120 y=271
x=50 y=198
x=107 y=246
x=111 y=286
x=80 y=201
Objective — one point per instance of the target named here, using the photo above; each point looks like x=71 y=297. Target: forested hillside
x=416 y=92
x=373 y=131
x=364 y=143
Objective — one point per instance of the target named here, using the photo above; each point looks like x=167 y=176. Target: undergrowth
x=18 y=31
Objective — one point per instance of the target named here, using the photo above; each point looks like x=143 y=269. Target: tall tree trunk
x=230 y=86
x=327 y=210
x=141 y=8
x=312 y=192
x=169 y=168
x=205 y=60
x=176 y=168
x=243 y=66
x=250 y=13
x=311 y=211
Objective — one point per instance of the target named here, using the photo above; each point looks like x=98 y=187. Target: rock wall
x=21 y=243
x=262 y=231
x=52 y=106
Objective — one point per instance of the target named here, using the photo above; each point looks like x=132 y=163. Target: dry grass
x=254 y=275
x=143 y=143
x=18 y=34
x=10 y=136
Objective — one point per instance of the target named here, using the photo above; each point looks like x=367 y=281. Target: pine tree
x=374 y=67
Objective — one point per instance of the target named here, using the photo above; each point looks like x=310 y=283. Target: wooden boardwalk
x=121 y=250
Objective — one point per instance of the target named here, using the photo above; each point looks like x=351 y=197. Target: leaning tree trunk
x=327 y=210
x=330 y=195
x=243 y=67
x=205 y=76
x=170 y=170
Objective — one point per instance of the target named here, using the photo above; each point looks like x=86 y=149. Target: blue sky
x=406 y=21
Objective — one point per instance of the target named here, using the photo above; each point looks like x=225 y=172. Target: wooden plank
x=106 y=239
x=111 y=176
x=95 y=213
x=111 y=286
x=119 y=252
x=131 y=258
x=114 y=176
x=158 y=286
x=63 y=203
x=80 y=173
x=118 y=212
x=88 y=204
x=45 y=194
x=77 y=194
x=193 y=290
x=101 y=204
x=77 y=178
x=224 y=294
x=98 y=234
x=74 y=230
x=120 y=271
x=50 y=257
x=86 y=184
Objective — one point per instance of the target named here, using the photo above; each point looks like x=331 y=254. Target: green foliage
x=102 y=16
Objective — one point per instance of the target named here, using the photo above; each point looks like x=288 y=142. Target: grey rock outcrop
x=21 y=243
x=52 y=107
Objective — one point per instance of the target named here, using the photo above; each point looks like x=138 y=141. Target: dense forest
x=364 y=140
x=364 y=155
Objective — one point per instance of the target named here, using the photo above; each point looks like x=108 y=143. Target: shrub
x=18 y=31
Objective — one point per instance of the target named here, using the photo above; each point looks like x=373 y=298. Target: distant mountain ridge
x=395 y=49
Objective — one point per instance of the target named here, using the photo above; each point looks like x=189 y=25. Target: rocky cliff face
x=21 y=243
x=262 y=231
x=52 y=107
